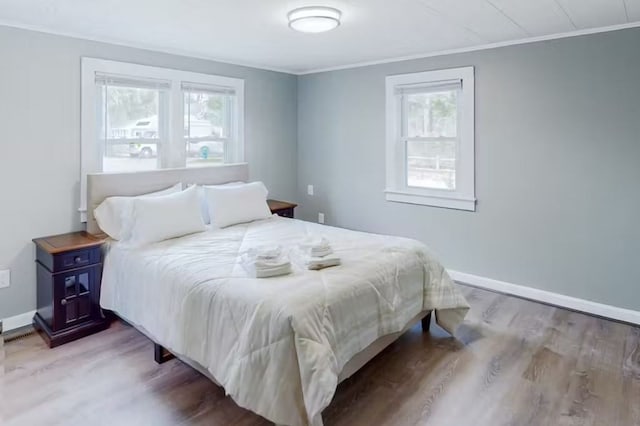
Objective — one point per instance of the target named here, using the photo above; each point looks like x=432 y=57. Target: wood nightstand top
x=55 y=244
x=275 y=205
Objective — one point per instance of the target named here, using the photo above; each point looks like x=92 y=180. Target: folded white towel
x=271 y=263
x=265 y=252
x=316 y=263
x=321 y=251
x=273 y=272
x=319 y=248
x=264 y=262
x=319 y=242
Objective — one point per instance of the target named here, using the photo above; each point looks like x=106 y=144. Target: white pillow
x=156 y=219
x=203 y=199
x=230 y=205
x=112 y=213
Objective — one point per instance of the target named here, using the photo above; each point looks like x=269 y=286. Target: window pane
x=129 y=128
x=207 y=122
x=432 y=114
x=432 y=164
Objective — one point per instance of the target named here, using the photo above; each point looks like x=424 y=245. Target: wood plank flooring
x=515 y=363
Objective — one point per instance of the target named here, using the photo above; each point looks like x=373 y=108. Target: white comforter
x=276 y=345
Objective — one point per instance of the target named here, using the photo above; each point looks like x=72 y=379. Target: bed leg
x=426 y=322
x=160 y=354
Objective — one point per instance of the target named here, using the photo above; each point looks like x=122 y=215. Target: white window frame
x=397 y=190
x=91 y=158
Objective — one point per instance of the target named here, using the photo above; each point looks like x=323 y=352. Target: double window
x=430 y=138
x=137 y=117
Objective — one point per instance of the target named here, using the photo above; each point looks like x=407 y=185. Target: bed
x=278 y=346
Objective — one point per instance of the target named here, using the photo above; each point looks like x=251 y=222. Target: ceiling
x=255 y=32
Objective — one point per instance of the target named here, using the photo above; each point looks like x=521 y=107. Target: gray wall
x=557 y=164
x=557 y=142
x=40 y=139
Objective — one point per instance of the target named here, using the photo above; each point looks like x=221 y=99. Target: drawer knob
x=77 y=259
x=63 y=302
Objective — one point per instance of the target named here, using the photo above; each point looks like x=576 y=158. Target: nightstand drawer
x=68 y=260
x=76 y=259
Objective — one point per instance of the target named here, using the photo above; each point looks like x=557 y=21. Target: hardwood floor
x=515 y=363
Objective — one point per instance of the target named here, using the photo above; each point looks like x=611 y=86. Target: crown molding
x=189 y=54
x=527 y=40
x=142 y=46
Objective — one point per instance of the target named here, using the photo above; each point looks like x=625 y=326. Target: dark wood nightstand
x=282 y=208
x=69 y=269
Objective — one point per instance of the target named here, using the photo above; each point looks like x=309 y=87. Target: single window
x=137 y=118
x=209 y=130
x=430 y=138
x=126 y=142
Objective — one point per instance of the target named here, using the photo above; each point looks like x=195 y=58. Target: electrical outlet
x=310 y=189
x=320 y=217
x=5 y=278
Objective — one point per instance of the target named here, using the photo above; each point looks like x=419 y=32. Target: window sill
x=449 y=202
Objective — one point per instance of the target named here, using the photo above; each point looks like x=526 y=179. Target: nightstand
x=282 y=208
x=69 y=268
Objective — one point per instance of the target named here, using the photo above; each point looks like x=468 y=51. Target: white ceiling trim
x=488 y=46
x=142 y=46
x=188 y=54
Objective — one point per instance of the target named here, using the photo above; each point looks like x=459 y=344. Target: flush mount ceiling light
x=314 y=19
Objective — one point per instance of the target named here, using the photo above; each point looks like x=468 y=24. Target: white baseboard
x=561 y=300
x=17 y=321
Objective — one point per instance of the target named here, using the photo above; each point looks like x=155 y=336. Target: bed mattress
x=276 y=345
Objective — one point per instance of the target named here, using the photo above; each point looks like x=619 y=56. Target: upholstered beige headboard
x=103 y=185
